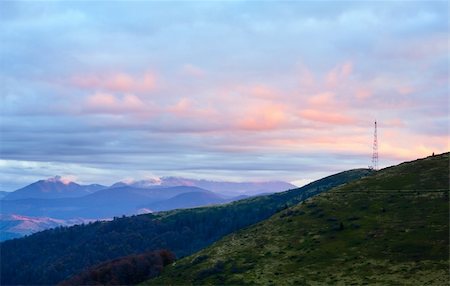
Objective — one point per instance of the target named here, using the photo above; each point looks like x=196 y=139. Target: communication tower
x=375 y=149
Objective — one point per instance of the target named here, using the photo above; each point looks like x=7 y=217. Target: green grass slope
x=391 y=228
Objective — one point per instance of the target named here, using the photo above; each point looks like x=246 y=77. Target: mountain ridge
x=53 y=188
x=390 y=228
x=227 y=188
x=188 y=200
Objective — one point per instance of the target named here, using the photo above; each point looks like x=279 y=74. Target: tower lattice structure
x=375 y=149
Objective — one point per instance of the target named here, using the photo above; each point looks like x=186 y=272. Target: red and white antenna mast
x=375 y=149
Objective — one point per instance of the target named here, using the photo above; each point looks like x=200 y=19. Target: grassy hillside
x=54 y=255
x=391 y=228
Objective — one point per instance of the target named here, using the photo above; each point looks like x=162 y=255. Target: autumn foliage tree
x=126 y=270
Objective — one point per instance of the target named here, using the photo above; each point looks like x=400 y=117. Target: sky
x=101 y=91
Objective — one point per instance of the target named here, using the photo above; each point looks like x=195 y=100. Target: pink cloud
x=266 y=117
x=307 y=78
x=116 y=82
x=416 y=50
x=325 y=98
x=187 y=108
x=318 y=140
x=393 y=150
x=404 y=90
x=338 y=74
x=362 y=93
x=325 y=117
x=346 y=69
x=396 y=123
x=63 y=179
x=262 y=91
x=182 y=106
x=192 y=71
x=400 y=144
x=341 y=89
x=108 y=103
x=254 y=91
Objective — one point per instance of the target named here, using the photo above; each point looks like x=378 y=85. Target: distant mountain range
x=57 y=187
x=53 y=188
x=55 y=201
x=228 y=189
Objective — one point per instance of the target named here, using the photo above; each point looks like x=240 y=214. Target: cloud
x=362 y=93
x=108 y=103
x=322 y=99
x=339 y=74
x=183 y=106
x=192 y=71
x=306 y=78
x=260 y=118
x=326 y=117
x=115 y=82
x=65 y=180
x=262 y=91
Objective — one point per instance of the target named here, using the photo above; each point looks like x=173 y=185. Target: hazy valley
x=53 y=202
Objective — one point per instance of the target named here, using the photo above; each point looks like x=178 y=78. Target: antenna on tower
x=375 y=149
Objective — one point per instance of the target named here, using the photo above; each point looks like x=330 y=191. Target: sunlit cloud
x=115 y=82
x=108 y=103
x=362 y=93
x=193 y=71
x=326 y=117
x=261 y=91
x=264 y=117
x=322 y=99
x=339 y=74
